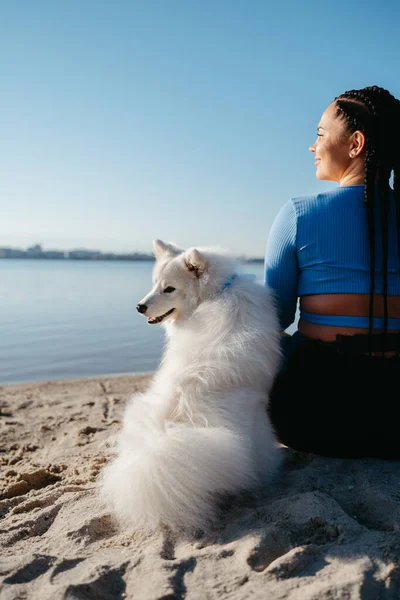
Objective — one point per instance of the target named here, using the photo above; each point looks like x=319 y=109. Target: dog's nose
x=141 y=308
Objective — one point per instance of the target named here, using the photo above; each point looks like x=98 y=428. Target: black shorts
x=332 y=401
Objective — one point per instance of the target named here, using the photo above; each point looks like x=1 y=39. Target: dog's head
x=181 y=279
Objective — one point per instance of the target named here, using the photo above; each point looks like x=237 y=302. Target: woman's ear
x=357 y=144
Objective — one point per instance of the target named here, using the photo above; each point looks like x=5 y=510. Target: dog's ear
x=195 y=261
x=161 y=248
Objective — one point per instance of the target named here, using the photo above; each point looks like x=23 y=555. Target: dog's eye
x=169 y=289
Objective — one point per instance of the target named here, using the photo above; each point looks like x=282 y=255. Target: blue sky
x=190 y=121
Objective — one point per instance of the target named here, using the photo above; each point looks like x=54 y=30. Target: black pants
x=341 y=405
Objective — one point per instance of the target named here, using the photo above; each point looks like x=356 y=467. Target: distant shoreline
x=75 y=258
x=37 y=253
x=114 y=258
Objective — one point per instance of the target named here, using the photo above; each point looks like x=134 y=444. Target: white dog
x=201 y=429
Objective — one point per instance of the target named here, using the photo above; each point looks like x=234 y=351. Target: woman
x=339 y=252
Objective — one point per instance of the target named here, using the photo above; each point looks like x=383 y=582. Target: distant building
x=12 y=253
x=35 y=251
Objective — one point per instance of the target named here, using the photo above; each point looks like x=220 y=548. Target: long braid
x=384 y=203
x=369 y=199
x=375 y=112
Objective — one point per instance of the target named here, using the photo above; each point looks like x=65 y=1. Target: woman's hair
x=375 y=112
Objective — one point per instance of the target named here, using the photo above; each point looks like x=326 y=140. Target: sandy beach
x=328 y=529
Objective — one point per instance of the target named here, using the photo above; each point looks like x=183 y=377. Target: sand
x=327 y=529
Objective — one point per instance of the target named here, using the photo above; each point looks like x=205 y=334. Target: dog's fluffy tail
x=174 y=476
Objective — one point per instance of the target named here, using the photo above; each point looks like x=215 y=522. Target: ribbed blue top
x=319 y=245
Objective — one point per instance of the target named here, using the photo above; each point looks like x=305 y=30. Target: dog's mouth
x=154 y=320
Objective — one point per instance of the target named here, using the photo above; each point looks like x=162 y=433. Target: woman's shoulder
x=328 y=198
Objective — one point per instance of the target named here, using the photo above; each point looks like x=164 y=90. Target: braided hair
x=375 y=112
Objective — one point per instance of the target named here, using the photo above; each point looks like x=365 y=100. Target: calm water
x=67 y=319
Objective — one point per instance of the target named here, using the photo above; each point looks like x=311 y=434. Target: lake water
x=69 y=319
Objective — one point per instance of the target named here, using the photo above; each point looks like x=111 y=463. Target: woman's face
x=331 y=148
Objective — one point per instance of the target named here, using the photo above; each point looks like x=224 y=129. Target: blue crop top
x=319 y=245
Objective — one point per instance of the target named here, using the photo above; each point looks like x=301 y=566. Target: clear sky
x=186 y=120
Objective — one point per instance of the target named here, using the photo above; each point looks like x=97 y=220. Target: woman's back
x=332 y=244
x=319 y=250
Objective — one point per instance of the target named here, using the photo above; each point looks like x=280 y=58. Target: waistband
x=355 y=344
x=348 y=321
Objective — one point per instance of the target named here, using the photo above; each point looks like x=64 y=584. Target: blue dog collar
x=231 y=279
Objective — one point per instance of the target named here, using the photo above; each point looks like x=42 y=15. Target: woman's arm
x=281 y=265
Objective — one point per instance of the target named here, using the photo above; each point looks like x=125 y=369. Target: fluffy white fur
x=201 y=429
